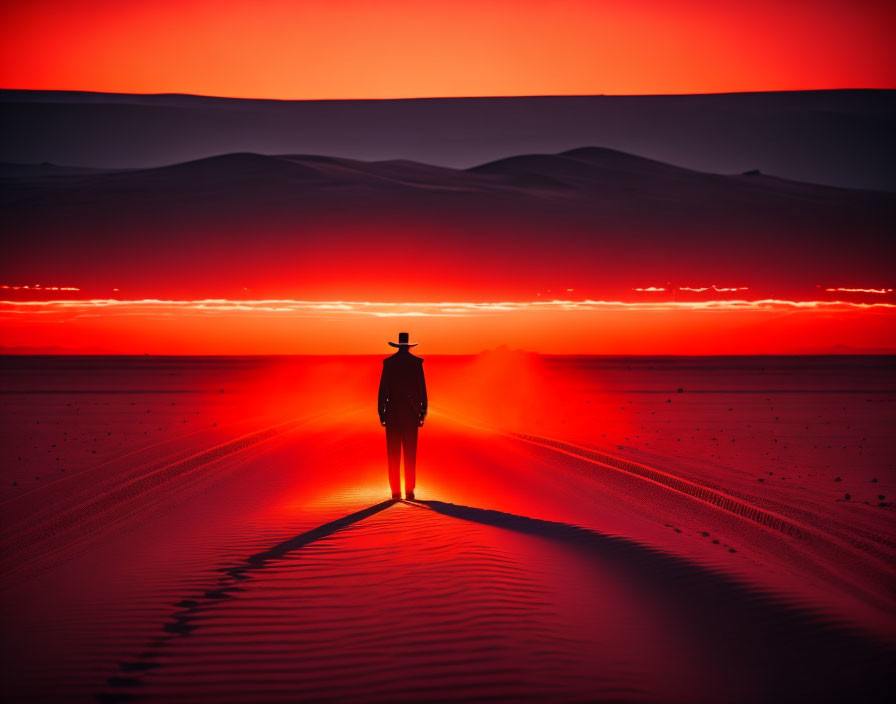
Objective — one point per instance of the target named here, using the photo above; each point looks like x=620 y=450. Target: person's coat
x=402 y=394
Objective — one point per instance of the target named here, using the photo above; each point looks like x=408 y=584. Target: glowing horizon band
x=213 y=306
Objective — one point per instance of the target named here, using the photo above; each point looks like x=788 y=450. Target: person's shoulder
x=417 y=359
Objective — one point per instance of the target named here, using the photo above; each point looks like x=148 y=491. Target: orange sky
x=344 y=327
x=294 y=49
x=404 y=48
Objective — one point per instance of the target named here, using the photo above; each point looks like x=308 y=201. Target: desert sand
x=585 y=529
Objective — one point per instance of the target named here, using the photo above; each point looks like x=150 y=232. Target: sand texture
x=584 y=529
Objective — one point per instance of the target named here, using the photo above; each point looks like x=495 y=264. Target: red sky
x=738 y=326
x=401 y=48
x=404 y=48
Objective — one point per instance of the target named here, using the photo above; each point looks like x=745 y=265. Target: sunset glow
x=718 y=289
x=861 y=290
x=38 y=287
x=557 y=326
x=448 y=350
x=454 y=308
x=395 y=48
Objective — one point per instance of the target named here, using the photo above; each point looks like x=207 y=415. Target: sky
x=712 y=324
x=296 y=49
x=401 y=49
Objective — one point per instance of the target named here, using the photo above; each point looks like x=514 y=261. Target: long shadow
x=287 y=546
x=791 y=654
x=182 y=622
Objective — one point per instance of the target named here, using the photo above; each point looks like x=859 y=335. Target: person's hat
x=403 y=341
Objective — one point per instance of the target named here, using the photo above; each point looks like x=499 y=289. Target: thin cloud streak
x=860 y=290
x=291 y=307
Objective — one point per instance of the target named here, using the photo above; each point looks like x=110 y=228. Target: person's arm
x=424 y=403
x=382 y=396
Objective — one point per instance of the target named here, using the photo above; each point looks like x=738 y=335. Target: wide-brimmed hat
x=403 y=341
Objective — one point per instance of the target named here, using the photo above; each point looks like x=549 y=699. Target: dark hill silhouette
x=589 y=214
x=838 y=137
x=594 y=170
x=584 y=160
x=584 y=174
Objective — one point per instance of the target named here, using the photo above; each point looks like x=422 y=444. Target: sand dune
x=251 y=553
x=455 y=603
x=840 y=138
x=312 y=225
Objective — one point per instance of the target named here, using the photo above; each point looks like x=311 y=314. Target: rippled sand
x=250 y=556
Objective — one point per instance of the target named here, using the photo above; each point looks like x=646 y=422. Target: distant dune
x=604 y=219
x=841 y=137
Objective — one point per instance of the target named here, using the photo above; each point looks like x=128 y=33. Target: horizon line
x=451 y=97
x=853 y=352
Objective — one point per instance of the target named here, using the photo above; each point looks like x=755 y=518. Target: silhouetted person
x=401 y=404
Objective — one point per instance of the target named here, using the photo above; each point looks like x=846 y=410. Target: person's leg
x=409 y=441
x=393 y=451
